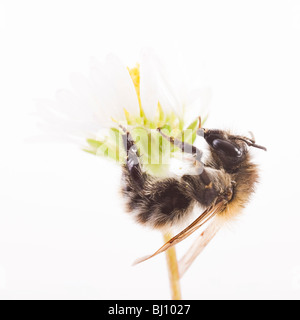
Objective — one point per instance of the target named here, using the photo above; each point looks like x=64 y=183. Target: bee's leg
x=133 y=166
x=185 y=147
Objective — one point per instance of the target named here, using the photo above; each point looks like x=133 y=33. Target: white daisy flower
x=141 y=99
x=144 y=97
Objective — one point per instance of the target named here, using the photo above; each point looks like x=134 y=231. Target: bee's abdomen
x=159 y=203
x=172 y=198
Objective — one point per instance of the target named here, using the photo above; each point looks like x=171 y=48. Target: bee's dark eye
x=227 y=147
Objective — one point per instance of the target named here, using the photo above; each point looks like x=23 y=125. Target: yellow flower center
x=162 y=118
x=155 y=150
x=135 y=76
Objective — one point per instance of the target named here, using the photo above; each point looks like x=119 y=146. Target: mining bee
x=222 y=187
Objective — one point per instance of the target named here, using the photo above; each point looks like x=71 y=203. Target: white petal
x=148 y=85
x=109 y=105
x=122 y=84
x=87 y=96
x=45 y=109
x=56 y=123
x=169 y=93
x=173 y=91
x=113 y=88
x=202 y=95
x=50 y=138
x=93 y=103
x=72 y=106
x=198 y=103
x=81 y=86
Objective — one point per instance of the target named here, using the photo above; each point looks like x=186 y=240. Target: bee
x=222 y=186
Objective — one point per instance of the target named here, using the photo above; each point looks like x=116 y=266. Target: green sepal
x=190 y=133
x=94 y=143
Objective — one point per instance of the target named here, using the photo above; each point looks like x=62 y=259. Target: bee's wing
x=202 y=219
x=197 y=247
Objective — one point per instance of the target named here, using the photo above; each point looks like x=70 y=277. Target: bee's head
x=230 y=150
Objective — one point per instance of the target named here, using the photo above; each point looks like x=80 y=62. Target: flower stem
x=172 y=265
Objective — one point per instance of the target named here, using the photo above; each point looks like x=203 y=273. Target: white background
x=63 y=231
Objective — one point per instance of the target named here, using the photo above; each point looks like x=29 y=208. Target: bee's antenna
x=258 y=146
x=119 y=125
x=251 y=143
x=252 y=136
x=123 y=128
x=199 y=126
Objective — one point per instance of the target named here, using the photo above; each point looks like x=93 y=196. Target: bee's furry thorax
x=244 y=178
